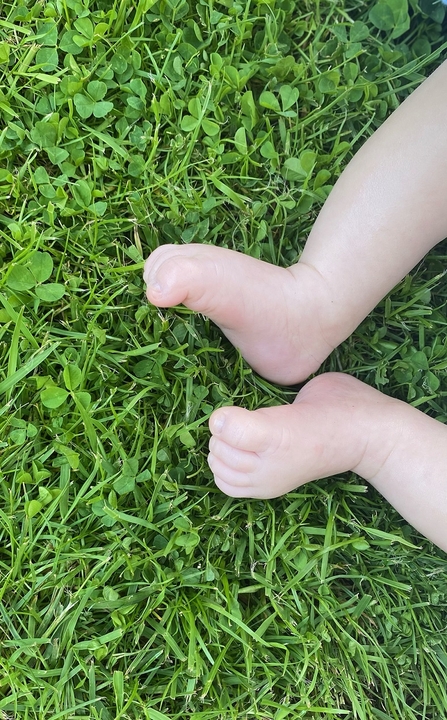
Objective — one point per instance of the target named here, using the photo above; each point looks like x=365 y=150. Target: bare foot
x=267 y=452
x=336 y=424
x=275 y=316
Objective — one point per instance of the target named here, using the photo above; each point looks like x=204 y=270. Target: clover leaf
x=91 y=102
x=41 y=266
x=33 y=275
x=53 y=397
x=21 y=279
x=50 y=292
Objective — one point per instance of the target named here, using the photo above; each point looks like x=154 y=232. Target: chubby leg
x=336 y=424
x=385 y=212
x=388 y=208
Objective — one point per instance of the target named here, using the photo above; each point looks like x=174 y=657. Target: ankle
x=344 y=404
x=383 y=434
x=315 y=300
x=335 y=318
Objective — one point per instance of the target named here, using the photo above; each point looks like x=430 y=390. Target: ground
x=131 y=586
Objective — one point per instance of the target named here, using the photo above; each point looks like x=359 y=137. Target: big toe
x=174 y=279
x=245 y=430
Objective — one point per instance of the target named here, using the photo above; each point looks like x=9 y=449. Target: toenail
x=218 y=423
x=152 y=283
x=155 y=287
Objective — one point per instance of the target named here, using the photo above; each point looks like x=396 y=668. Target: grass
x=130 y=586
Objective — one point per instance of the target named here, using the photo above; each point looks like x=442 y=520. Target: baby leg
x=275 y=317
x=336 y=424
x=385 y=212
x=388 y=208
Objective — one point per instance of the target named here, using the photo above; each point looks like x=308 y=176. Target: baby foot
x=275 y=316
x=267 y=452
x=337 y=423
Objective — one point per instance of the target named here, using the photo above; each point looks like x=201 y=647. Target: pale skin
x=386 y=211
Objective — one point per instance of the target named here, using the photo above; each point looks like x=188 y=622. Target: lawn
x=131 y=587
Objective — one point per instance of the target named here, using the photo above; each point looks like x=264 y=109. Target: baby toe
x=166 y=281
x=242 y=429
x=230 y=489
x=229 y=475
x=240 y=460
x=155 y=259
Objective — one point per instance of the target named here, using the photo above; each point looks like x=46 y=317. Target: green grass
x=130 y=586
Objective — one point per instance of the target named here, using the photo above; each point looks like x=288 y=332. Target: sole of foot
x=271 y=314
